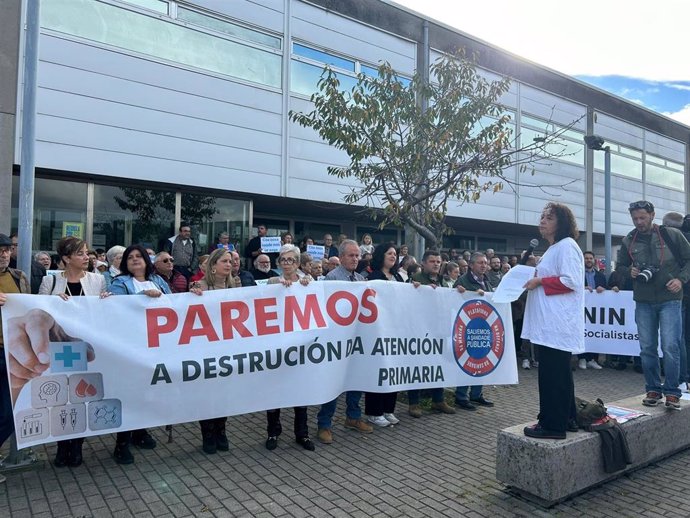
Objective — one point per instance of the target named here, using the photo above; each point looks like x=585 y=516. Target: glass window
x=137 y=32
x=539 y=124
x=499 y=245
x=232 y=29
x=630 y=152
x=675 y=166
x=458 y=242
x=374 y=72
x=651 y=159
x=665 y=177
x=209 y=216
x=378 y=236
x=305 y=77
x=487 y=121
x=571 y=152
x=369 y=71
x=620 y=164
x=59 y=210
x=570 y=146
x=323 y=57
x=155 y=5
x=316 y=231
x=125 y=215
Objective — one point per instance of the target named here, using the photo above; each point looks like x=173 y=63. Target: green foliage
x=410 y=157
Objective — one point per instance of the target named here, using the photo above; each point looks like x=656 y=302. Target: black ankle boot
x=62 y=456
x=208 y=437
x=75 y=457
x=142 y=439
x=122 y=454
x=222 y=443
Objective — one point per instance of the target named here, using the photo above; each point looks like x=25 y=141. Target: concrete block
x=549 y=471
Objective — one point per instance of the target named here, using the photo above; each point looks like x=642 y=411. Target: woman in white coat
x=73 y=281
x=554 y=321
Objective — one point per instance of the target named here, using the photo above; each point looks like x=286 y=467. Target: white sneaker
x=592 y=364
x=525 y=364
x=582 y=364
x=378 y=420
x=391 y=418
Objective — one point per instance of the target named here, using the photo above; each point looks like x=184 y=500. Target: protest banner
x=610 y=323
x=125 y=363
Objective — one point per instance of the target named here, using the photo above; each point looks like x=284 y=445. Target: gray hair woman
x=114 y=257
x=289 y=261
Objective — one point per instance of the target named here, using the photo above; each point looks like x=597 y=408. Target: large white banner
x=610 y=323
x=88 y=366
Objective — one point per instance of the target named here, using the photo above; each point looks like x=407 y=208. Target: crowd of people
x=548 y=315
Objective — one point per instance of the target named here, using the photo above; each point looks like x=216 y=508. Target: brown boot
x=359 y=425
x=443 y=407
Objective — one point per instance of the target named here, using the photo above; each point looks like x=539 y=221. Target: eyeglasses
x=287 y=260
x=14 y=245
x=169 y=260
x=636 y=205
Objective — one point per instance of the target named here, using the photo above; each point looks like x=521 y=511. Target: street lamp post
x=28 y=161
x=596 y=143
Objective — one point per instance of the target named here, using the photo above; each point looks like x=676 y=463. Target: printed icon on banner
x=67 y=356
x=48 y=391
x=33 y=423
x=85 y=387
x=105 y=414
x=68 y=419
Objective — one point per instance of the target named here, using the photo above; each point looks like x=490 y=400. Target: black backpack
x=591 y=415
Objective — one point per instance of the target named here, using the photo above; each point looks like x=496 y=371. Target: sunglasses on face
x=170 y=260
x=636 y=205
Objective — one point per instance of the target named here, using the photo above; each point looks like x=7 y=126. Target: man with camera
x=651 y=255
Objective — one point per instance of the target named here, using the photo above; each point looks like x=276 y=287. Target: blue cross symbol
x=67 y=357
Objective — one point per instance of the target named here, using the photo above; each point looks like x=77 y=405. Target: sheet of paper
x=511 y=286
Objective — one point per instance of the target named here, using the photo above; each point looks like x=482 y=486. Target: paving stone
x=437 y=465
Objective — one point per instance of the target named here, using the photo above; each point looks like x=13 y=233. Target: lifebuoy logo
x=478 y=338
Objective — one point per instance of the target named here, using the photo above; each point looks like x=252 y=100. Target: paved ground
x=438 y=465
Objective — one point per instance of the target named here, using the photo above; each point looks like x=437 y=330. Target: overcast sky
x=637 y=49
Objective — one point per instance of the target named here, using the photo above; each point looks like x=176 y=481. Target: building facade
x=153 y=112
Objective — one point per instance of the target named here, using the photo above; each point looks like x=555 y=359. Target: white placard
x=316 y=251
x=270 y=245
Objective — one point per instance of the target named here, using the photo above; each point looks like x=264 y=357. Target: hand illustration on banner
x=28 y=342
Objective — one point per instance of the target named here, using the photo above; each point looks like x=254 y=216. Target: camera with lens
x=646 y=273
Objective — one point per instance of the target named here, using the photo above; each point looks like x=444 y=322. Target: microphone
x=532 y=245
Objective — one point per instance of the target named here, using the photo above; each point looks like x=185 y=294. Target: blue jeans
x=665 y=319
x=461 y=393
x=324 y=419
x=436 y=396
x=685 y=345
x=6 y=416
